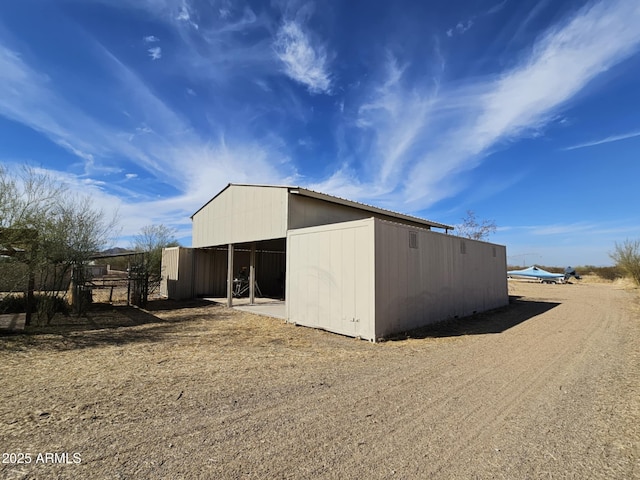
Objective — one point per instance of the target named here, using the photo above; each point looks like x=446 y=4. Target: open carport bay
x=547 y=387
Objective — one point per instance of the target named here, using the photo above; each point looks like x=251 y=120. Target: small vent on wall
x=413 y=239
x=494 y=252
x=463 y=247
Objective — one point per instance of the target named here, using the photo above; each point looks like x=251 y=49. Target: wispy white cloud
x=419 y=140
x=525 y=98
x=76 y=187
x=194 y=163
x=562 y=229
x=27 y=97
x=344 y=183
x=410 y=140
x=582 y=229
x=215 y=46
x=609 y=139
x=155 y=53
x=227 y=41
x=304 y=61
x=496 y=8
x=575 y=243
x=396 y=118
x=463 y=27
x=153 y=136
x=185 y=15
x=32 y=99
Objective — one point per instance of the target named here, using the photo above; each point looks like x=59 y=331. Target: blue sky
x=526 y=112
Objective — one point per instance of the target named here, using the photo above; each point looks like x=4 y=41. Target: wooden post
x=128 y=281
x=230 y=276
x=31 y=282
x=73 y=286
x=252 y=274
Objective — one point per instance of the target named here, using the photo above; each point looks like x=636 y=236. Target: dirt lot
x=548 y=387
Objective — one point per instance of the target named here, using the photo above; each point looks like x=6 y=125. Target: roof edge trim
x=338 y=200
x=363 y=206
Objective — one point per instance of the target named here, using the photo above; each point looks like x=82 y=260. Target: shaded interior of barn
x=208 y=269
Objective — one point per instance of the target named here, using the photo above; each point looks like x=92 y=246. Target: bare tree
x=627 y=257
x=26 y=196
x=151 y=240
x=474 y=228
x=68 y=231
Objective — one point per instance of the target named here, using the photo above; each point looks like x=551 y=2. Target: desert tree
x=27 y=196
x=475 y=229
x=67 y=227
x=627 y=258
x=151 y=240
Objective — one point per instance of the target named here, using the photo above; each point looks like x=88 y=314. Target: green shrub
x=627 y=258
x=41 y=304
x=12 y=304
x=606 y=273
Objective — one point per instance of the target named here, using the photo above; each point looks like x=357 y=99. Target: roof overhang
x=369 y=208
x=340 y=201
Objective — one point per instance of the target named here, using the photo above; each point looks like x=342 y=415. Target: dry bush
x=627 y=258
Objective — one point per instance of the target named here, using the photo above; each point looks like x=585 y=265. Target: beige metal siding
x=241 y=213
x=330 y=282
x=205 y=266
x=309 y=212
x=177 y=268
x=444 y=277
x=169 y=269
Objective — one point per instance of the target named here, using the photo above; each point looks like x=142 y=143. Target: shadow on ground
x=166 y=304
x=495 y=321
x=114 y=325
x=106 y=324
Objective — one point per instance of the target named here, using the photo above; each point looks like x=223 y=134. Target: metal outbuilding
x=340 y=265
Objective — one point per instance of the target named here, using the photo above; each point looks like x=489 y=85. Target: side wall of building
x=177 y=273
x=330 y=282
x=241 y=213
x=306 y=211
x=310 y=212
x=424 y=277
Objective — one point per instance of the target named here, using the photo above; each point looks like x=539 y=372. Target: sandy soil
x=548 y=387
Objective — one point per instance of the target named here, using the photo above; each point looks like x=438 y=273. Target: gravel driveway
x=548 y=387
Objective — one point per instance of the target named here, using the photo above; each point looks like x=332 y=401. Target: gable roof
x=339 y=201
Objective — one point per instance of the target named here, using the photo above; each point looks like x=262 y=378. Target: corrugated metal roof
x=337 y=200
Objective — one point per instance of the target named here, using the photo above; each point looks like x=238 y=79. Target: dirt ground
x=548 y=387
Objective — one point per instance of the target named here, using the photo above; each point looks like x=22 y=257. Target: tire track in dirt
x=560 y=359
x=482 y=417
x=401 y=394
x=463 y=406
x=554 y=360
